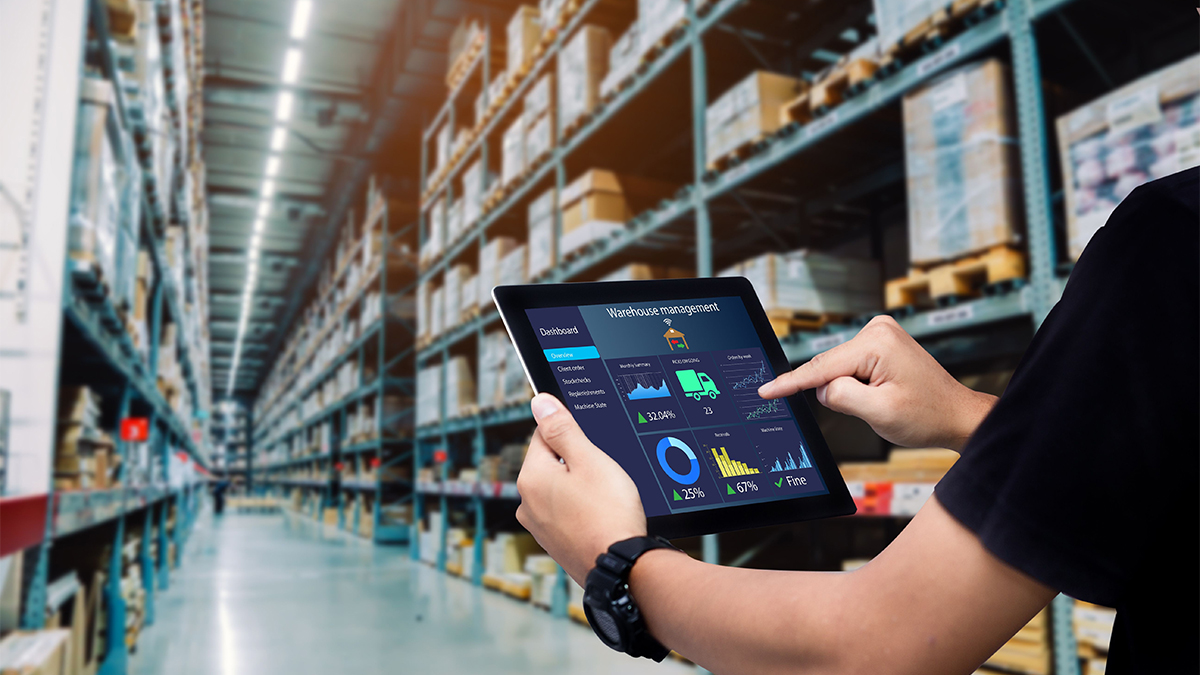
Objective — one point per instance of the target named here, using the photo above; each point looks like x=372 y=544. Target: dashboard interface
x=670 y=390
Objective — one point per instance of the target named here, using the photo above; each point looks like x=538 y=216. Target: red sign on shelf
x=440 y=456
x=135 y=429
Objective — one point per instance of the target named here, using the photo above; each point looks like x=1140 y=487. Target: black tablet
x=664 y=377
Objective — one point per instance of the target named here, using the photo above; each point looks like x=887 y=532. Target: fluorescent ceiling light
x=278 y=138
x=301 y=13
x=260 y=225
x=283 y=108
x=264 y=209
x=255 y=241
x=272 y=165
x=291 y=65
x=268 y=188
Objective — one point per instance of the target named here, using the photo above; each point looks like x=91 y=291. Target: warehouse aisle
x=260 y=595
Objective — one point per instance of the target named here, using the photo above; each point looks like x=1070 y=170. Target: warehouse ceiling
x=367 y=68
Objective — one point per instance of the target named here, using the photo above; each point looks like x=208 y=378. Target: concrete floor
x=260 y=595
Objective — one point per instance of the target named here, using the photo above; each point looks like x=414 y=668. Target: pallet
x=788 y=321
x=460 y=67
x=950 y=281
x=655 y=50
x=738 y=154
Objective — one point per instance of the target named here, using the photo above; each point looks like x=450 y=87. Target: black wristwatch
x=611 y=610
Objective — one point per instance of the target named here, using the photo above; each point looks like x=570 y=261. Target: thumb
x=557 y=427
x=850 y=396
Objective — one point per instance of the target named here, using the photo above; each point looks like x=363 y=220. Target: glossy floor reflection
x=261 y=595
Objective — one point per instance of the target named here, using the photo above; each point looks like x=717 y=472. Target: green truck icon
x=696 y=384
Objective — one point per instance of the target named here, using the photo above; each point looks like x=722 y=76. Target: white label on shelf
x=908 y=498
x=827 y=341
x=856 y=488
x=939 y=59
x=950 y=315
x=948 y=93
x=819 y=126
x=1135 y=110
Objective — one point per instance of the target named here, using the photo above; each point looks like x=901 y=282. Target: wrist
x=975 y=407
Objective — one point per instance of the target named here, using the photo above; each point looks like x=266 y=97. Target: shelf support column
x=147 y=563
x=699 y=134
x=1031 y=125
x=116 y=657
x=480 y=516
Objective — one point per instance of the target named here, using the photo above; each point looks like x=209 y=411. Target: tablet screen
x=670 y=390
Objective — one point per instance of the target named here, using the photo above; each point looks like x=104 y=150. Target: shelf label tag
x=819 y=126
x=950 y=315
x=135 y=429
x=939 y=59
x=826 y=342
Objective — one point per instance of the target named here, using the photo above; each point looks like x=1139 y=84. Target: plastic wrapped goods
x=524 y=31
x=512 y=152
x=961 y=164
x=582 y=64
x=473 y=189
x=97 y=183
x=541 y=241
x=455 y=277
x=423 y=302
x=460 y=387
x=435 y=231
x=623 y=58
x=512 y=267
x=491 y=367
x=490 y=257
x=814 y=283
x=747 y=111
x=895 y=18
x=429 y=395
x=657 y=18
x=1145 y=130
x=538 y=100
x=540 y=140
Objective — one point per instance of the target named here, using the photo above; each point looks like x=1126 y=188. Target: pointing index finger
x=849 y=359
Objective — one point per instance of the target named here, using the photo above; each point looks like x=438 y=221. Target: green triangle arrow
x=641 y=419
x=728 y=489
x=677 y=497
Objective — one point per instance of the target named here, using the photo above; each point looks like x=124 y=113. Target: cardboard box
x=747 y=112
x=1142 y=131
x=512 y=267
x=473 y=189
x=540 y=97
x=455 y=277
x=491 y=368
x=540 y=140
x=96 y=183
x=582 y=64
x=814 y=283
x=512 y=151
x=42 y=652
x=896 y=18
x=437 y=311
x=429 y=395
x=469 y=297
x=490 y=257
x=435 y=228
x=623 y=58
x=657 y=18
x=524 y=32
x=542 y=242
x=961 y=164
x=596 y=195
x=460 y=387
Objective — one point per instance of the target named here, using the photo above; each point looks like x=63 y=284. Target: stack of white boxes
x=429 y=395
x=542 y=242
x=813 y=283
x=524 y=32
x=460 y=387
x=582 y=64
x=539 y=118
x=657 y=18
x=623 y=58
x=512 y=152
x=747 y=112
x=456 y=276
x=491 y=257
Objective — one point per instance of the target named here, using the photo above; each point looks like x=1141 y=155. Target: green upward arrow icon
x=641 y=419
x=677 y=497
x=728 y=489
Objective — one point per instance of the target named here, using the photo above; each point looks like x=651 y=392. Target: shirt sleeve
x=1073 y=476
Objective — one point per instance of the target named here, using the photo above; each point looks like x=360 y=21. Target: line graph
x=640 y=386
x=745 y=371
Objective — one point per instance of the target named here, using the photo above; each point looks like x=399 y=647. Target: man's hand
x=884 y=377
x=577 y=507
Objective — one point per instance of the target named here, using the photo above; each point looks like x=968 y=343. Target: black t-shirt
x=1084 y=476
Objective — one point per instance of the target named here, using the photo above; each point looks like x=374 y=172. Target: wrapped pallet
x=491 y=367
x=657 y=18
x=454 y=220
x=623 y=58
x=514 y=386
x=812 y=283
x=1145 y=130
x=442 y=147
x=582 y=64
x=646 y=272
x=896 y=18
x=455 y=277
x=437 y=312
x=429 y=395
x=961 y=164
x=512 y=267
x=540 y=140
x=490 y=257
x=593 y=208
x=747 y=112
x=550 y=12
x=512 y=151
x=487 y=97
x=460 y=387
x=96 y=184
x=435 y=230
x=468 y=305
x=541 y=241
x=473 y=189
x=524 y=32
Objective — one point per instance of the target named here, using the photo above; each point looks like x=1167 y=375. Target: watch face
x=604 y=625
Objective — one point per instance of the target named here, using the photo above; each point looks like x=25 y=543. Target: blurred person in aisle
x=219 y=489
x=1081 y=478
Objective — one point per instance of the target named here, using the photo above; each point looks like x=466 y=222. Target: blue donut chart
x=693 y=473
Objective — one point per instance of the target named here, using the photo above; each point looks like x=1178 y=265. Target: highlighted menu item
x=571 y=354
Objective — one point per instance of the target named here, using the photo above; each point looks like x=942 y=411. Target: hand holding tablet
x=663 y=377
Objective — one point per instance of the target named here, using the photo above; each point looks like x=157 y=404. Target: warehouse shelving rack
x=996 y=26
x=97 y=352
x=279 y=419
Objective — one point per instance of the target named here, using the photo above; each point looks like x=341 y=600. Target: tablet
x=664 y=377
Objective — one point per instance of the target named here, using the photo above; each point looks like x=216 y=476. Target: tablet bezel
x=514 y=300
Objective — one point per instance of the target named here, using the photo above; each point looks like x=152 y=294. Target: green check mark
x=779 y=483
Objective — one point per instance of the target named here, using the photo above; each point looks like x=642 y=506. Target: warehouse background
x=247 y=247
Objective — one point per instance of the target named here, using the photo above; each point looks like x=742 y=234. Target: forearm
x=733 y=620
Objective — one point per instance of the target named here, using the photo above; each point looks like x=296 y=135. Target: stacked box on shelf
x=431 y=248
x=747 y=112
x=1144 y=130
x=657 y=18
x=550 y=12
x=582 y=64
x=646 y=272
x=543 y=573
x=473 y=186
x=488 y=96
x=1093 y=632
x=539 y=120
x=460 y=387
x=512 y=152
x=468 y=297
x=513 y=267
x=84 y=455
x=423 y=310
x=961 y=165
x=97 y=184
x=543 y=245
x=894 y=19
x=504 y=559
x=455 y=222
x=452 y=283
x=39 y=652
x=491 y=364
x=812 y=283
x=429 y=395
x=593 y=208
x=623 y=59
x=899 y=486
x=524 y=32
x=490 y=258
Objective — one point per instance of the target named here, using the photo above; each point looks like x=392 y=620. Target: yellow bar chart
x=730 y=468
